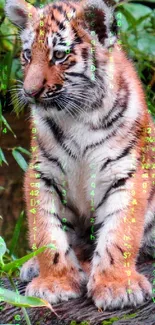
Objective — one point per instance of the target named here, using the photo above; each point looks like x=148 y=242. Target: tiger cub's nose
x=32 y=93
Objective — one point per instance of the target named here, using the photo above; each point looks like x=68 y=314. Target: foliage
x=137 y=35
x=8 y=269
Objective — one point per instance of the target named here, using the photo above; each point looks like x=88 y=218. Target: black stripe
x=96 y=227
x=51 y=183
x=94 y=145
x=60 y=36
x=97 y=103
x=57 y=132
x=57 y=217
x=107 y=122
x=54 y=41
x=59 y=8
x=124 y=153
x=85 y=54
x=59 y=136
x=67 y=223
x=120 y=249
x=56 y=258
x=119 y=183
x=137 y=134
x=116 y=118
x=77 y=38
x=60 y=25
x=76 y=74
x=62 y=43
x=152 y=192
x=68 y=250
x=50 y=158
x=110 y=256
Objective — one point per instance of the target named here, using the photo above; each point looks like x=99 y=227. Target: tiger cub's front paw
x=112 y=292
x=29 y=270
x=55 y=289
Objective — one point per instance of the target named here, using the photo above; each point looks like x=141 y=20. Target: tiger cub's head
x=64 y=51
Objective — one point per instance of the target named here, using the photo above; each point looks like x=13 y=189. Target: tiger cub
x=84 y=187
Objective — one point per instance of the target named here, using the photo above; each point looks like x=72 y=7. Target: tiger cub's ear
x=100 y=19
x=19 y=12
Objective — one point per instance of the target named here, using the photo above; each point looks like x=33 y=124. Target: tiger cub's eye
x=59 y=55
x=27 y=54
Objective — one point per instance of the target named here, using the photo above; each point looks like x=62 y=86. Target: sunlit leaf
x=15 y=264
x=14 y=298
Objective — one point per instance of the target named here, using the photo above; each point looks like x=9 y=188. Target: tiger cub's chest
x=78 y=186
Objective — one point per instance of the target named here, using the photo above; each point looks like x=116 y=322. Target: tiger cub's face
x=60 y=51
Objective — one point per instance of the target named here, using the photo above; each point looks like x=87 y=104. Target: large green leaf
x=14 y=298
x=10 y=267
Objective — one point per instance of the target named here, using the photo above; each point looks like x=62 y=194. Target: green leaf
x=16 y=233
x=20 y=159
x=23 y=150
x=8 y=126
x=2 y=249
x=15 y=264
x=2 y=157
x=14 y=298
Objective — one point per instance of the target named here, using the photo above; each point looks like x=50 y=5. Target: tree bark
x=82 y=310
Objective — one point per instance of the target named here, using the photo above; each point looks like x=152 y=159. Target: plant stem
x=28 y=322
x=26 y=316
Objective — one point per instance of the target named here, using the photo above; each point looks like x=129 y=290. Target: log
x=82 y=310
